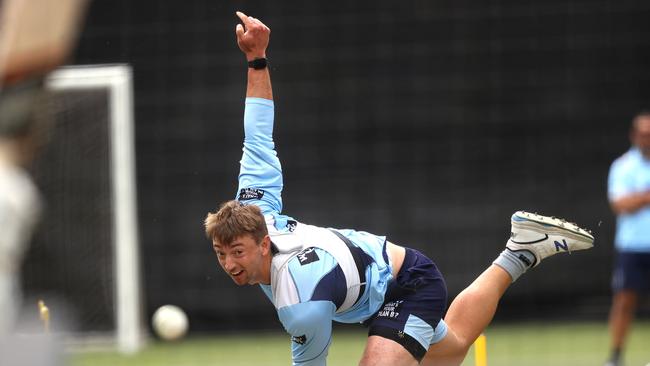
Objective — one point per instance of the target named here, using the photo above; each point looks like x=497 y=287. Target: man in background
x=629 y=197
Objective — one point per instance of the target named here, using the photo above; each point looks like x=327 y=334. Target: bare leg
x=469 y=314
x=620 y=317
x=473 y=309
x=385 y=352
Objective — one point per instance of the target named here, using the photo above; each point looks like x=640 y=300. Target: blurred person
x=315 y=275
x=629 y=197
x=35 y=38
x=19 y=198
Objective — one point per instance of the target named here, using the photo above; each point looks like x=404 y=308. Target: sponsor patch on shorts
x=299 y=339
x=390 y=310
x=250 y=194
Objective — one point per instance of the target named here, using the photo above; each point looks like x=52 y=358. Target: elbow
x=625 y=206
x=304 y=322
x=305 y=317
x=617 y=208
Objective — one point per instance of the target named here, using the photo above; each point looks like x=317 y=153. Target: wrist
x=251 y=57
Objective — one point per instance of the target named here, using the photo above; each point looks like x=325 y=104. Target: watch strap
x=258 y=63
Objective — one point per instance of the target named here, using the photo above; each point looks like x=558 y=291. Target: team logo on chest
x=307 y=256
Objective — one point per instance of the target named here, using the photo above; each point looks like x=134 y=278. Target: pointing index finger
x=244 y=18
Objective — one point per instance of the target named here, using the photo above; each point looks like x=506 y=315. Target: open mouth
x=235 y=274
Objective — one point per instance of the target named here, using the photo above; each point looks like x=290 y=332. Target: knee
x=450 y=351
x=625 y=301
x=463 y=349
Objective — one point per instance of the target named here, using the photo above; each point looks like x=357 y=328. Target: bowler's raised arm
x=253 y=39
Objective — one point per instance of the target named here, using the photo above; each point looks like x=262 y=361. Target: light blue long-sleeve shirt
x=317 y=282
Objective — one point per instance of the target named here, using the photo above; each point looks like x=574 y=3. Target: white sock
x=515 y=263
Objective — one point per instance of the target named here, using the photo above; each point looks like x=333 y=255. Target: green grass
x=536 y=344
x=528 y=344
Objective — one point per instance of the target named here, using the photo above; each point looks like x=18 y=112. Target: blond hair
x=233 y=220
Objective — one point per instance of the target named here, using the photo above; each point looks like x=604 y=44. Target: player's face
x=245 y=260
x=641 y=136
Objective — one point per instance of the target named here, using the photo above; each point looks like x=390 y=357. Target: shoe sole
x=552 y=225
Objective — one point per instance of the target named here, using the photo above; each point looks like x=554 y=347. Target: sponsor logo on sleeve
x=307 y=256
x=299 y=339
x=250 y=194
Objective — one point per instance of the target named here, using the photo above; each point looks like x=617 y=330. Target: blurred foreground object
x=36 y=36
x=32 y=350
x=19 y=199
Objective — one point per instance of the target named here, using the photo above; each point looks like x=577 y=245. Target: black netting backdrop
x=70 y=262
x=427 y=121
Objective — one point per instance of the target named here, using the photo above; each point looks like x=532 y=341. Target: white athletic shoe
x=545 y=236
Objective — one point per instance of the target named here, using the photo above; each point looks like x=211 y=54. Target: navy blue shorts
x=631 y=272
x=413 y=307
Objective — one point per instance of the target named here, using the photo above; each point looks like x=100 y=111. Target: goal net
x=83 y=260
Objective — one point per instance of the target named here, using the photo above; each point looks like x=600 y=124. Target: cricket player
x=315 y=275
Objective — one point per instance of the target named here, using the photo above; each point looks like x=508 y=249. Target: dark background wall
x=426 y=121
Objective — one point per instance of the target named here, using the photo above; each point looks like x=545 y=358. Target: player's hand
x=252 y=37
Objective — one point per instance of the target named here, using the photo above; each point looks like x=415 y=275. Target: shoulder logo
x=250 y=194
x=299 y=339
x=307 y=256
x=291 y=225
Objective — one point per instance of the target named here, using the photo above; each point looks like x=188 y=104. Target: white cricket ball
x=169 y=322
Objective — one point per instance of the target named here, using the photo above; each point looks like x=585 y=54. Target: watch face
x=258 y=63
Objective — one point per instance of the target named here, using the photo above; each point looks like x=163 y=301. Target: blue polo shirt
x=630 y=174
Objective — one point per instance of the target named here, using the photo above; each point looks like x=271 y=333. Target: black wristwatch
x=258 y=63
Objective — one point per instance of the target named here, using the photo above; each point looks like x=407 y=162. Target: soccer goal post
x=116 y=83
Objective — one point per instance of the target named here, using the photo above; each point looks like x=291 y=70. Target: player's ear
x=266 y=245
